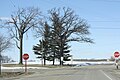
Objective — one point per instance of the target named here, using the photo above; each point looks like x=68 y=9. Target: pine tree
x=42 y=49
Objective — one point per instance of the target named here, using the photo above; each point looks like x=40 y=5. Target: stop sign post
x=116 y=55
x=25 y=57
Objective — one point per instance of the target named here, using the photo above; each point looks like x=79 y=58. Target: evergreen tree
x=42 y=48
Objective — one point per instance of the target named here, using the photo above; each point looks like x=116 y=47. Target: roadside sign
x=116 y=54
x=25 y=56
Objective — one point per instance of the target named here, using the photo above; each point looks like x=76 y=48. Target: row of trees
x=60 y=27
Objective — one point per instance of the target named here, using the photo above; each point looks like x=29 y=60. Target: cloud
x=5 y=18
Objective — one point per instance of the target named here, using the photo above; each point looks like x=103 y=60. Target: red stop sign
x=25 y=56
x=116 y=54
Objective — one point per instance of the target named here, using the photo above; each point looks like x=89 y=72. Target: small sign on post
x=116 y=55
x=25 y=57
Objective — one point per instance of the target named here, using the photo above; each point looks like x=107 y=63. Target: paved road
x=81 y=73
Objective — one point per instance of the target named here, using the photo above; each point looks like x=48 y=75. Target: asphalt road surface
x=96 y=72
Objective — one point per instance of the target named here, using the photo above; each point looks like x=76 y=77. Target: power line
x=104 y=28
x=104 y=21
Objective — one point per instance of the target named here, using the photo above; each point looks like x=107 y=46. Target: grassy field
x=20 y=65
x=13 y=74
x=33 y=65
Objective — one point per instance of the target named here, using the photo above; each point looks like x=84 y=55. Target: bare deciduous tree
x=4 y=45
x=21 y=22
x=68 y=27
x=5 y=59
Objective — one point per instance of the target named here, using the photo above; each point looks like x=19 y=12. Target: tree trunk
x=21 y=50
x=60 y=61
x=61 y=56
x=54 y=59
x=44 y=60
x=61 y=51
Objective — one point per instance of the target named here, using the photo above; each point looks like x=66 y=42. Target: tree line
x=55 y=31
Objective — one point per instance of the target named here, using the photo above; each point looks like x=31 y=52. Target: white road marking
x=106 y=75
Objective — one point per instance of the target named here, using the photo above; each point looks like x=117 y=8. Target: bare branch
x=4 y=43
x=17 y=44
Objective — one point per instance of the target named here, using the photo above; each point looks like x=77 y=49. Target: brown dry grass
x=13 y=74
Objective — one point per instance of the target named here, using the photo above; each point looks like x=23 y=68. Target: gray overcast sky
x=102 y=15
